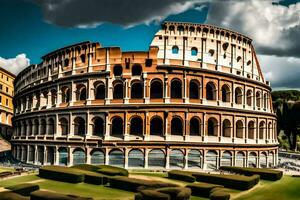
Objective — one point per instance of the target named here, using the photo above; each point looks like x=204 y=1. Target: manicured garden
x=106 y=182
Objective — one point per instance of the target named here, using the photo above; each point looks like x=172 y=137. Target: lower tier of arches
x=206 y=158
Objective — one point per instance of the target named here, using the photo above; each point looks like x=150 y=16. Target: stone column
x=56 y=156
x=106 y=156
x=126 y=99
x=107 y=127
x=70 y=156
x=185 y=88
x=166 y=96
x=126 y=151
x=167 y=158
x=146 y=158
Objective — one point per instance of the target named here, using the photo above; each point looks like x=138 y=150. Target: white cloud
x=15 y=65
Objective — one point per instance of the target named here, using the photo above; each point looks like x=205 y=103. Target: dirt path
x=235 y=196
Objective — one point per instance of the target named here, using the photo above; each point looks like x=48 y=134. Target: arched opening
x=240 y=159
x=195 y=126
x=50 y=155
x=239 y=129
x=175 y=50
x=53 y=97
x=24 y=154
x=249 y=97
x=29 y=125
x=156 y=159
x=251 y=129
x=258 y=98
x=156 y=126
x=263 y=160
x=262 y=130
x=43 y=127
x=194 y=90
x=79 y=124
x=66 y=95
x=116 y=158
x=136 y=126
x=269 y=130
x=40 y=156
x=79 y=157
x=100 y=91
x=226 y=128
x=36 y=127
x=252 y=160
x=156 y=90
x=136 y=70
x=176 y=159
x=271 y=160
x=226 y=159
x=238 y=95
x=64 y=126
x=265 y=100
x=118 y=70
x=51 y=126
x=117 y=126
x=225 y=93
x=63 y=156
x=137 y=90
x=212 y=127
x=31 y=154
x=211 y=160
x=98 y=128
x=97 y=157
x=176 y=89
x=82 y=57
x=118 y=91
x=194 y=159
x=81 y=93
x=194 y=51
x=211 y=91
x=176 y=126
x=136 y=159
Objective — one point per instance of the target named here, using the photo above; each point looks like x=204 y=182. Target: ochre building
x=196 y=100
x=6 y=102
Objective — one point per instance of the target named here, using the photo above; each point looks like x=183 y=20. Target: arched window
x=252 y=160
x=225 y=93
x=66 y=94
x=175 y=50
x=98 y=128
x=156 y=90
x=195 y=126
x=36 y=127
x=262 y=130
x=79 y=124
x=226 y=159
x=194 y=159
x=176 y=126
x=117 y=126
x=137 y=90
x=53 y=97
x=136 y=159
x=212 y=127
x=136 y=70
x=63 y=156
x=50 y=155
x=118 y=91
x=176 y=89
x=251 y=129
x=136 y=126
x=82 y=57
x=31 y=154
x=64 y=126
x=265 y=100
x=249 y=97
x=100 y=91
x=263 y=160
x=176 y=159
x=239 y=129
x=269 y=131
x=116 y=158
x=194 y=90
x=240 y=159
x=258 y=98
x=66 y=63
x=40 y=155
x=118 y=70
x=43 y=127
x=156 y=159
x=210 y=91
x=79 y=157
x=81 y=91
x=194 y=51
x=97 y=157
x=238 y=95
x=226 y=128
x=211 y=160
x=156 y=126
x=51 y=127
x=271 y=159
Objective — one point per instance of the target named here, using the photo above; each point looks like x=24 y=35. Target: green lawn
x=5 y=169
x=288 y=188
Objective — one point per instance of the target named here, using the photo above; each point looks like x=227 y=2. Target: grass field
x=5 y=169
x=288 y=188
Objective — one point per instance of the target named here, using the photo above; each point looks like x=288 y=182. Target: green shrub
x=24 y=189
x=59 y=173
x=12 y=196
x=138 y=196
x=265 y=174
x=238 y=182
x=47 y=195
x=153 y=194
x=202 y=189
x=178 y=193
x=112 y=171
x=219 y=194
x=87 y=167
x=132 y=184
x=181 y=175
x=95 y=178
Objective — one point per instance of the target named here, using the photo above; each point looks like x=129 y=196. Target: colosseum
x=197 y=99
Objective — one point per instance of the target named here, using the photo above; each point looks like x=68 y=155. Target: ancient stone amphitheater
x=196 y=99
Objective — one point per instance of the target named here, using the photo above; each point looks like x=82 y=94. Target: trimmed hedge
x=60 y=173
x=265 y=174
x=219 y=194
x=6 y=174
x=87 y=167
x=112 y=171
x=47 y=195
x=202 y=189
x=12 y=196
x=181 y=175
x=24 y=189
x=178 y=193
x=132 y=184
x=238 y=182
x=95 y=178
x=151 y=195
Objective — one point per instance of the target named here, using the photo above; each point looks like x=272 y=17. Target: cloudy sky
x=32 y=28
